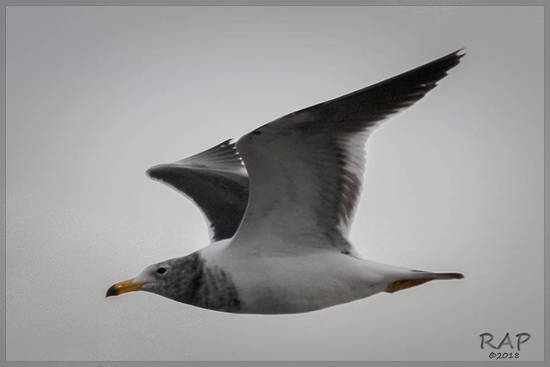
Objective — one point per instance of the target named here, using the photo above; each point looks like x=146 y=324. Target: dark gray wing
x=306 y=168
x=216 y=181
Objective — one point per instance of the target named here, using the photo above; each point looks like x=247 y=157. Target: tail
x=419 y=277
x=448 y=275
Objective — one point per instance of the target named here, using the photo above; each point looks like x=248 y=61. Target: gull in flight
x=280 y=202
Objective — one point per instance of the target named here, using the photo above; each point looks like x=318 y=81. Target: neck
x=207 y=286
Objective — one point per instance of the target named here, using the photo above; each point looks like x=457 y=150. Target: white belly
x=293 y=284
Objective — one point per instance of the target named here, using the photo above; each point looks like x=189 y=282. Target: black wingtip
x=161 y=172
x=152 y=171
x=443 y=63
x=460 y=52
x=452 y=59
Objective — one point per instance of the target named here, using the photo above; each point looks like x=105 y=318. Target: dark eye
x=257 y=132
x=161 y=270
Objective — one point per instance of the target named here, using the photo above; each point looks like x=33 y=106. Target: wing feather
x=216 y=181
x=306 y=168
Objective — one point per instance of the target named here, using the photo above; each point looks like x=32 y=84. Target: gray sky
x=96 y=95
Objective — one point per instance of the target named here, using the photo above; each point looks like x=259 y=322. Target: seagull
x=280 y=202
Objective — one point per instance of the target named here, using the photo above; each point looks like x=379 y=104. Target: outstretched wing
x=216 y=181
x=306 y=168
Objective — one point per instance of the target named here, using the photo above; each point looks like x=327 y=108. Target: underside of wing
x=216 y=181
x=306 y=168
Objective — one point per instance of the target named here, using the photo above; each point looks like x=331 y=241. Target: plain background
x=95 y=95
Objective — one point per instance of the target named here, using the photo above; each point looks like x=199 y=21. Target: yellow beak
x=124 y=287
